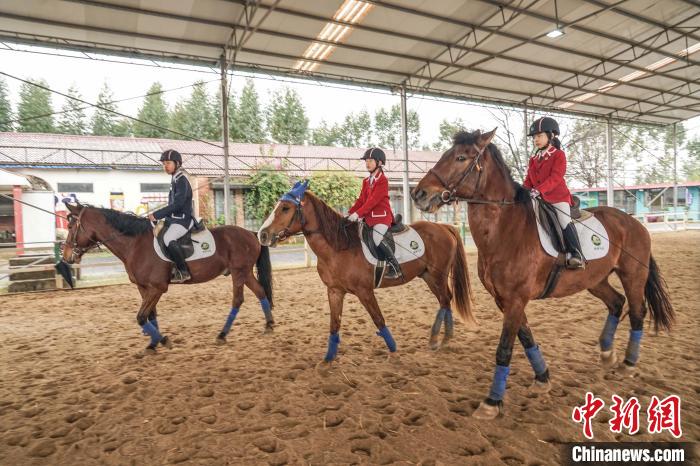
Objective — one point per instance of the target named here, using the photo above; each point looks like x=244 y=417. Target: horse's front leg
x=149 y=300
x=335 y=299
x=513 y=318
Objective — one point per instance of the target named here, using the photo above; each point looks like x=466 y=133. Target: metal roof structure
x=634 y=61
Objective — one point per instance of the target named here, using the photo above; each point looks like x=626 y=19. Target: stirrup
x=179 y=276
x=571 y=263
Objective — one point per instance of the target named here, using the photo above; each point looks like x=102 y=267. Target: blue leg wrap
x=439 y=318
x=608 y=334
x=632 y=353
x=266 y=307
x=386 y=334
x=498 y=387
x=449 y=323
x=229 y=321
x=534 y=355
x=333 y=342
x=151 y=330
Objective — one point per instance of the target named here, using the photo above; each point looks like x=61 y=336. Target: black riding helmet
x=544 y=125
x=375 y=153
x=171 y=154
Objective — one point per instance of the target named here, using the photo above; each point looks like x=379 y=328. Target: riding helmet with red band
x=544 y=125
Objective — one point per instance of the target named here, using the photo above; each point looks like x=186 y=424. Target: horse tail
x=461 y=285
x=656 y=296
x=264 y=267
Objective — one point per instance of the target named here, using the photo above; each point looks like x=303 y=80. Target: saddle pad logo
x=595 y=239
x=414 y=245
x=205 y=246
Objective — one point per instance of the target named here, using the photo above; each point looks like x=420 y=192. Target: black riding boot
x=389 y=257
x=573 y=247
x=178 y=257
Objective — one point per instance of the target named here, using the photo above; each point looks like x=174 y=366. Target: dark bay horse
x=130 y=238
x=514 y=268
x=344 y=269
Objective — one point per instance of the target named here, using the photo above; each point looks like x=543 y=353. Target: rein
x=449 y=195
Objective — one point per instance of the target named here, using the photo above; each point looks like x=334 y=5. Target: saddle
x=380 y=267
x=186 y=241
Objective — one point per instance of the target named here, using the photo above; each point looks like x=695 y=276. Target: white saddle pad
x=409 y=246
x=591 y=235
x=203 y=242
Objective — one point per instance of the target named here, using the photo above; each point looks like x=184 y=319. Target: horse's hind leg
x=252 y=283
x=614 y=301
x=369 y=301
x=437 y=282
x=236 y=303
x=633 y=281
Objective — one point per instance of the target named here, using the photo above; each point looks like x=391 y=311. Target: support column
x=675 y=175
x=611 y=179
x=17 y=209
x=224 y=137
x=407 y=214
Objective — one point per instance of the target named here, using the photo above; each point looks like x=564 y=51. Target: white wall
x=104 y=182
x=38 y=225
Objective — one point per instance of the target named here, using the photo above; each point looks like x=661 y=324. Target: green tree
x=286 y=118
x=234 y=132
x=447 y=130
x=248 y=119
x=154 y=110
x=35 y=102
x=325 y=134
x=123 y=128
x=658 y=168
x=338 y=189
x=356 y=130
x=387 y=127
x=72 y=118
x=267 y=186
x=104 y=121
x=5 y=107
x=691 y=167
x=195 y=116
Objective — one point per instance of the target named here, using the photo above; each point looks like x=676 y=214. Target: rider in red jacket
x=545 y=179
x=373 y=205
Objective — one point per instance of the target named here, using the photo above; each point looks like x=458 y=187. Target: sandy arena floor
x=76 y=389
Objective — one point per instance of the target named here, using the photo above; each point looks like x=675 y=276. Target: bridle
x=449 y=195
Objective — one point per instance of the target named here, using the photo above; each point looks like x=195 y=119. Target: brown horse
x=514 y=268
x=130 y=238
x=343 y=268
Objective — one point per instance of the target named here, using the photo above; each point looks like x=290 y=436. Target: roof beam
x=428 y=40
x=587 y=30
x=523 y=39
x=472 y=67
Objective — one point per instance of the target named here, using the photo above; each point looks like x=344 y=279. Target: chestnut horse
x=514 y=267
x=130 y=238
x=344 y=269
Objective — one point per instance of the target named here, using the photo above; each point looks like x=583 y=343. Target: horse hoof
x=608 y=359
x=220 y=340
x=323 y=368
x=626 y=370
x=434 y=345
x=540 y=388
x=445 y=342
x=269 y=328
x=487 y=412
x=165 y=341
x=150 y=351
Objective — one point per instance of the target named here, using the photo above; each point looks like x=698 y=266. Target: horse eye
x=285 y=209
x=461 y=158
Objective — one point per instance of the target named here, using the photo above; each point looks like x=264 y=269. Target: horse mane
x=471 y=138
x=340 y=233
x=126 y=223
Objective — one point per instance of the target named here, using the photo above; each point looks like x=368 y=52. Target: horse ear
x=486 y=138
x=72 y=208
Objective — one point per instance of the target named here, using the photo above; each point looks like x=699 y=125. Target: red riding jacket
x=373 y=204
x=545 y=173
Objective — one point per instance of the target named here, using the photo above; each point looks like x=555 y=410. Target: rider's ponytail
x=554 y=140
